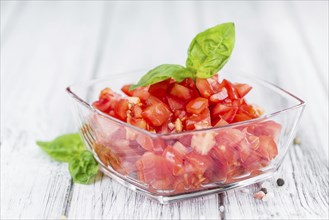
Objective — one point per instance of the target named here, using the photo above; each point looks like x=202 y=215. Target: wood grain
x=46 y=46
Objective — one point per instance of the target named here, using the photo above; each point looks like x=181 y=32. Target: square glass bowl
x=171 y=167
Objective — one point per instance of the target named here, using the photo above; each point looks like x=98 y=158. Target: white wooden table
x=46 y=46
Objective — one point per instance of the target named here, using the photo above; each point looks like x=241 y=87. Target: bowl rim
x=301 y=104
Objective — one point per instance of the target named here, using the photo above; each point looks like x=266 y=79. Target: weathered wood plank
x=46 y=49
x=276 y=51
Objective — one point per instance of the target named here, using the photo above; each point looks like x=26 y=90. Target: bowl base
x=166 y=199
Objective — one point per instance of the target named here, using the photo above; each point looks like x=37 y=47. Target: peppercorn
x=297 y=141
x=264 y=190
x=280 y=182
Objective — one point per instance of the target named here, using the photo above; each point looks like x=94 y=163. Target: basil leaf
x=83 y=167
x=63 y=148
x=211 y=49
x=163 y=72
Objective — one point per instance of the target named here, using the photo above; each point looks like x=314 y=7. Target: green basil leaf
x=83 y=167
x=163 y=72
x=64 y=148
x=211 y=49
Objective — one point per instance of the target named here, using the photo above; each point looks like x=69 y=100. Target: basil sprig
x=69 y=148
x=208 y=52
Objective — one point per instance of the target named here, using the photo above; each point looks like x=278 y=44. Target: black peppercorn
x=280 y=182
x=264 y=190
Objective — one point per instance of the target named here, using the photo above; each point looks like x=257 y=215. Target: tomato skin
x=231 y=91
x=159 y=89
x=197 y=105
x=203 y=117
x=181 y=92
x=155 y=171
x=141 y=93
x=121 y=109
x=175 y=103
x=242 y=89
x=176 y=159
x=200 y=163
x=156 y=114
x=126 y=90
x=204 y=87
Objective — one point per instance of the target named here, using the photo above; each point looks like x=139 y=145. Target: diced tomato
x=214 y=84
x=267 y=148
x=150 y=144
x=221 y=122
x=136 y=111
x=220 y=109
x=229 y=137
x=102 y=105
x=141 y=93
x=231 y=91
x=155 y=171
x=197 y=105
x=203 y=117
x=267 y=128
x=138 y=122
x=203 y=142
x=176 y=159
x=121 y=109
x=152 y=100
x=241 y=117
x=200 y=163
x=188 y=82
x=204 y=87
x=156 y=114
x=242 y=89
x=175 y=103
x=181 y=92
x=219 y=96
x=229 y=116
x=159 y=89
x=126 y=90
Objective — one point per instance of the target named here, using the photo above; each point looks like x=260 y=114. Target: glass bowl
x=171 y=167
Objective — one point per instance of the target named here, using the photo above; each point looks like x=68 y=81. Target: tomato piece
x=203 y=142
x=103 y=105
x=221 y=122
x=176 y=159
x=138 y=122
x=231 y=91
x=197 y=105
x=155 y=171
x=175 y=103
x=267 y=128
x=159 y=89
x=214 y=84
x=200 y=163
x=136 y=111
x=241 y=117
x=229 y=137
x=267 y=148
x=157 y=145
x=156 y=114
x=220 y=109
x=126 y=90
x=204 y=87
x=181 y=92
x=188 y=82
x=121 y=109
x=141 y=92
x=219 y=96
x=152 y=100
x=229 y=116
x=202 y=118
x=242 y=89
